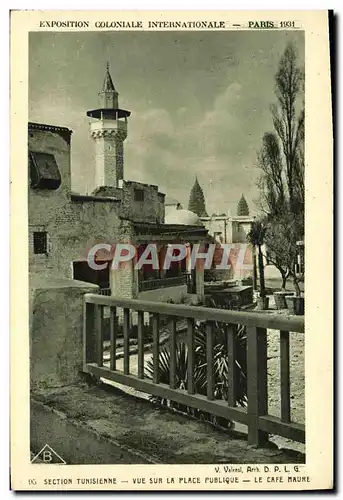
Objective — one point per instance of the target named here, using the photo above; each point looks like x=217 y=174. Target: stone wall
x=73 y=227
x=55 y=141
x=216 y=225
x=109 y=159
x=175 y=293
x=56 y=336
x=161 y=206
x=150 y=209
x=231 y=229
x=218 y=274
x=74 y=224
x=240 y=229
x=124 y=280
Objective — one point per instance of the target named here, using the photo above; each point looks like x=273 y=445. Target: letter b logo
x=47 y=456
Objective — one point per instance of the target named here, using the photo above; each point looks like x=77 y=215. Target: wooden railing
x=105 y=291
x=154 y=284
x=255 y=416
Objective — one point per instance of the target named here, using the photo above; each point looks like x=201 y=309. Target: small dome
x=184 y=217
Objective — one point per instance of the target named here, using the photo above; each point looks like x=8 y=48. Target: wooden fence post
x=257 y=384
x=89 y=334
x=284 y=377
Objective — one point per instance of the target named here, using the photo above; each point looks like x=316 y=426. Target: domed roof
x=184 y=217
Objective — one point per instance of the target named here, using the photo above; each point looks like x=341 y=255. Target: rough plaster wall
x=200 y=284
x=176 y=293
x=148 y=210
x=73 y=227
x=161 y=198
x=56 y=337
x=51 y=142
x=109 y=161
x=224 y=226
x=99 y=171
x=240 y=230
x=122 y=280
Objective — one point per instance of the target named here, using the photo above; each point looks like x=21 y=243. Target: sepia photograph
x=179 y=350
x=163 y=305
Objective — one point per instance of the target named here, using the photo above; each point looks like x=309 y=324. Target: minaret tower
x=109 y=132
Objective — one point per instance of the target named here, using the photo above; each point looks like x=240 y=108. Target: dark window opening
x=83 y=272
x=43 y=170
x=40 y=242
x=139 y=195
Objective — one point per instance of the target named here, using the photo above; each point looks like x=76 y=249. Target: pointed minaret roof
x=108 y=83
x=108 y=101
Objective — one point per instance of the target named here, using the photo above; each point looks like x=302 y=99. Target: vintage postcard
x=171 y=173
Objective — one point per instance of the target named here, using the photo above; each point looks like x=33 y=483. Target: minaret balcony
x=109 y=114
x=102 y=128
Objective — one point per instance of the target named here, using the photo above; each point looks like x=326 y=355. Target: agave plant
x=220 y=360
x=220 y=365
x=164 y=362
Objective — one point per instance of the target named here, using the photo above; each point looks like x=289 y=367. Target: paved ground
x=275 y=284
x=297 y=376
x=144 y=432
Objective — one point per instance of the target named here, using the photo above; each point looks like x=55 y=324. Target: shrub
x=220 y=365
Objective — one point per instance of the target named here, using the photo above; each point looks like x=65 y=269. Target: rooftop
x=64 y=132
x=108 y=85
x=183 y=217
x=86 y=197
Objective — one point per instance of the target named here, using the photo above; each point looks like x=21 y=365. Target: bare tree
x=271 y=181
x=280 y=239
x=282 y=166
x=289 y=124
x=279 y=248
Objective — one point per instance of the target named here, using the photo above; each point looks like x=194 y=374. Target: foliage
x=242 y=208
x=221 y=359
x=196 y=202
x=257 y=233
x=281 y=162
x=281 y=159
x=256 y=237
x=278 y=244
x=280 y=239
x=271 y=182
x=220 y=365
x=289 y=124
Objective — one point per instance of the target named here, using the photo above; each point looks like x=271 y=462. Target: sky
x=199 y=102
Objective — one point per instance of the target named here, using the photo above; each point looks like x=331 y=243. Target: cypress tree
x=242 y=207
x=196 y=202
